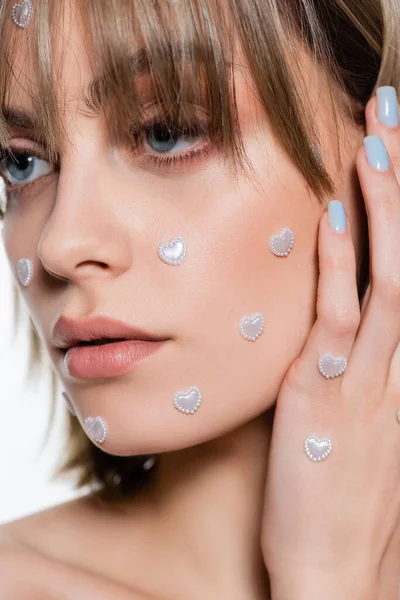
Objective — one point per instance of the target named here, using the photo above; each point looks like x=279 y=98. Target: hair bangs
x=174 y=56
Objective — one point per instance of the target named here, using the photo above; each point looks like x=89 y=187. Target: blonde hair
x=188 y=50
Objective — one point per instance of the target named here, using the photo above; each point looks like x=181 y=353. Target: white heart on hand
x=332 y=366
x=252 y=326
x=188 y=401
x=316 y=448
x=174 y=252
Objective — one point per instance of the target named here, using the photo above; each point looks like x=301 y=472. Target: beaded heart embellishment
x=174 y=252
x=96 y=428
x=252 y=326
x=316 y=448
x=282 y=243
x=332 y=366
x=188 y=401
x=22 y=13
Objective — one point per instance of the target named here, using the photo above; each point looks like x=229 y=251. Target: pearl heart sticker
x=316 y=448
x=282 y=243
x=188 y=401
x=174 y=252
x=25 y=271
x=252 y=326
x=96 y=428
x=22 y=13
x=332 y=366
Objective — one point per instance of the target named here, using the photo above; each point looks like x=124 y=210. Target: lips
x=92 y=361
x=97 y=330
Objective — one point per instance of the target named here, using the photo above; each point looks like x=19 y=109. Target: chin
x=149 y=427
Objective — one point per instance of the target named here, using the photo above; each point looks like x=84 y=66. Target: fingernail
x=388 y=107
x=377 y=155
x=337 y=216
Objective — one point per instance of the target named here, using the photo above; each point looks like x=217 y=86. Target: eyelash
x=195 y=128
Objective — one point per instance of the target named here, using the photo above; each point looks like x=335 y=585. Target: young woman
x=201 y=209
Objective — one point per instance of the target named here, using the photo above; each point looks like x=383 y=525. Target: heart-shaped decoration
x=24 y=271
x=188 y=401
x=174 y=252
x=252 y=326
x=96 y=428
x=332 y=366
x=316 y=448
x=69 y=404
x=282 y=243
x=22 y=13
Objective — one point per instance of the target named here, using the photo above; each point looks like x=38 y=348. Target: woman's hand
x=331 y=527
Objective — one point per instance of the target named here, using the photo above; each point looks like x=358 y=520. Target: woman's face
x=98 y=223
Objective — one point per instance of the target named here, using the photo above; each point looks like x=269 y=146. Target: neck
x=205 y=510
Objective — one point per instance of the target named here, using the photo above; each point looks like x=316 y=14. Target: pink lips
x=108 y=360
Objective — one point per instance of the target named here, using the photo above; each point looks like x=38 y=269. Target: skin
x=97 y=224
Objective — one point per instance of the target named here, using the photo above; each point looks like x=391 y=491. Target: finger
x=338 y=315
x=382 y=118
x=379 y=331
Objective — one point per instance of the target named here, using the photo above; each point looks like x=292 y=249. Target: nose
x=85 y=236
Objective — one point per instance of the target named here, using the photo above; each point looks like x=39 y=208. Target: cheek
x=23 y=226
x=233 y=273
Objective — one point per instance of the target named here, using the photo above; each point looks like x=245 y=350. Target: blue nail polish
x=377 y=155
x=337 y=216
x=388 y=106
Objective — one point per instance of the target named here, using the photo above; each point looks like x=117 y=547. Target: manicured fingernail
x=377 y=155
x=388 y=106
x=337 y=216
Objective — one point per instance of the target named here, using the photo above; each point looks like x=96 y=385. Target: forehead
x=75 y=60
x=70 y=59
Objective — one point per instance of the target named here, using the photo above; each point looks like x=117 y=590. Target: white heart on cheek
x=252 y=326
x=174 y=252
x=25 y=271
x=96 y=428
x=22 y=13
x=188 y=401
x=282 y=243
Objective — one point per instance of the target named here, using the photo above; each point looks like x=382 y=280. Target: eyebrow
x=25 y=121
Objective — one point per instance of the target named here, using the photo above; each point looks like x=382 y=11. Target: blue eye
x=21 y=168
x=163 y=137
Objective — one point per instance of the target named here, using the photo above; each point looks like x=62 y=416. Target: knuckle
x=336 y=262
x=342 y=321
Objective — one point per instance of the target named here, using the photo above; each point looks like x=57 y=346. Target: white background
x=25 y=470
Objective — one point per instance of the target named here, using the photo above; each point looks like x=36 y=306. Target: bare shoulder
x=48 y=532
x=28 y=575
x=36 y=561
